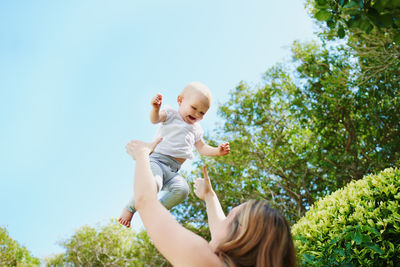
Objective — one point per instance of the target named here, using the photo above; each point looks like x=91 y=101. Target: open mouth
x=191 y=118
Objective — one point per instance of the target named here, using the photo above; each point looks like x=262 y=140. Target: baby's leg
x=127 y=213
x=176 y=190
x=126 y=216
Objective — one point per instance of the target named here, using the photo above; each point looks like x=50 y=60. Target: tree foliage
x=372 y=29
x=358 y=225
x=108 y=245
x=378 y=58
x=312 y=126
x=327 y=117
x=13 y=254
x=365 y=15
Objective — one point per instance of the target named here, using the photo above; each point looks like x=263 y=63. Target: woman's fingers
x=136 y=145
x=205 y=174
x=130 y=145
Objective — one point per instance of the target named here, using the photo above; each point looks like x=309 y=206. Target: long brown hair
x=259 y=236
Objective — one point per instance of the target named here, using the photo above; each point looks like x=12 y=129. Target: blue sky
x=76 y=79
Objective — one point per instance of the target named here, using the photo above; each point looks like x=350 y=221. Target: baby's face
x=193 y=107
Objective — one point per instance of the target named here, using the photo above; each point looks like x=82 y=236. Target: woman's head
x=258 y=235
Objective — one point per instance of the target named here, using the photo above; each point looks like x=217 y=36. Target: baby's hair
x=197 y=87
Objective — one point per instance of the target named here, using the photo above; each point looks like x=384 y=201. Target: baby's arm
x=157 y=115
x=206 y=150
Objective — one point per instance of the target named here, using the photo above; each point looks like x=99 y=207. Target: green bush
x=12 y=254
x=107 y=245
x=358 y=225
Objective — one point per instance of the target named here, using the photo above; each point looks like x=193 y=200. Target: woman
x=253 y=234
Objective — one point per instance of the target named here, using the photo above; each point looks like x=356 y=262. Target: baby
x=180 y=132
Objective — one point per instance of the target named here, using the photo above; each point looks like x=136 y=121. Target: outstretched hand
x=202 y=187
x=136 y=148
x=156 y=101
x=224 y=149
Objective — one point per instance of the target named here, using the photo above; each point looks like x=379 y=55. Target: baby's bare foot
x=125 y=218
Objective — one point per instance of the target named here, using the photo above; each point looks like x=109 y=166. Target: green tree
x=356 y=121
x=372 y=29
x=378 y=57
x=13 y=254
x=312 y=126
x=108 y=245
x=329 y=116
x=365 y=15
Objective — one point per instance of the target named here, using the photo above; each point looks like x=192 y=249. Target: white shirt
x=178 y=136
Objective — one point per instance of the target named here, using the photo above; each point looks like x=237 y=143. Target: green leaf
x=397 y=21
x=385 y=20
x=333 y=241
x=370 y=229
x=308 y=257
x=396 y=216
x=387 y=3
x=357 y=238
x=351 y=4
x=396 y=3
x=374 y=247
x=352 y=11
x=382 y=5
x=331 y=23
x=354 y=22
x=339 y=251
x=378 y=6
x=365 y=24
x=301 y=238
x=341 y=31
x=373 y=15
x=321 y=3
x=396 y=38
x=323 y=15
x=369 y=29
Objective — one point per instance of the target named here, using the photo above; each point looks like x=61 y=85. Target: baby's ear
x=179 y=99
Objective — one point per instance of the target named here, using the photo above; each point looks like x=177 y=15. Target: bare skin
x=125 y=218
x=178 y=245
x=191 y=110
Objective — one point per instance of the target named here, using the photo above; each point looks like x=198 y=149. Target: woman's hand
x=136 y=148
x=202 y=187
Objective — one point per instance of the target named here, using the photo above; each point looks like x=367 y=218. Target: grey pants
x=165 y=172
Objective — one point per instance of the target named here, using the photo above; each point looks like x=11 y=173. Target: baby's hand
x=224 y=149
x=157 y=101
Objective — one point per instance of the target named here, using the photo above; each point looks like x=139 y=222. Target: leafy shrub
x=12 y=254
x=108 y=245
x=358 y=225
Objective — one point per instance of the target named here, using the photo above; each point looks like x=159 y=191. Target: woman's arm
x=204 y=191
x=178 y=245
